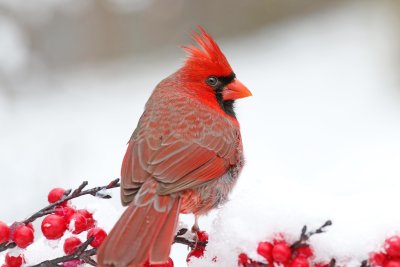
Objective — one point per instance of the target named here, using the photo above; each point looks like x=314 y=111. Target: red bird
x=184 y=156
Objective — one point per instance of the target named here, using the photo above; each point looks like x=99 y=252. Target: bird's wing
x=181 y=148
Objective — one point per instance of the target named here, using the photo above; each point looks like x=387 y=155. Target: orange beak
x=235 y=90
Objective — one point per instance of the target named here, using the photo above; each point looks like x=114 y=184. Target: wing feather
x=181 y=147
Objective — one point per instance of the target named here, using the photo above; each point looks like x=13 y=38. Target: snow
x=321 y=136
x=103 y=193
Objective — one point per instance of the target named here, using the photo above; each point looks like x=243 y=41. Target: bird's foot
x=195 y=228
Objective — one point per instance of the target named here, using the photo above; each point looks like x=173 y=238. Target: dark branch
x=365 y=263
x=304 y=236
x=80 y=254
x=76 y=193
x=191 y=243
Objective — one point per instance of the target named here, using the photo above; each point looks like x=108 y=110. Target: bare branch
x=80 y=254
x=304 y=236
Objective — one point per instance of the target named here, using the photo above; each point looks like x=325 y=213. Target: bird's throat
x=228 y=106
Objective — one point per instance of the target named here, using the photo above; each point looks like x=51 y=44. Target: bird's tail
x=144 y=232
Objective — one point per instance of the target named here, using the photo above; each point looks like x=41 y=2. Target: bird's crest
x=208 y=56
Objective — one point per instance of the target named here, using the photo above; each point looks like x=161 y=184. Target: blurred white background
x=325 y=115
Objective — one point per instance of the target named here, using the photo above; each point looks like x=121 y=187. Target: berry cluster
x=279 y=252
x=63 y=217
x=300 y=254
x=390 y=257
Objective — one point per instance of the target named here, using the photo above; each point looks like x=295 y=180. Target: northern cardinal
x=184 y=156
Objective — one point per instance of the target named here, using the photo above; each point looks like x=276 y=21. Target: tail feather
x=142 y=233
x=164 y=238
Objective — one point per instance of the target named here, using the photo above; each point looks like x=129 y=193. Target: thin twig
x=365 y=263
x=80 y=254
x=304 y=236
x=190 y=243
x=67 y=196
x=76 y=193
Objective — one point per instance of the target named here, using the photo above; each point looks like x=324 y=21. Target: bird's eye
x=212 y=80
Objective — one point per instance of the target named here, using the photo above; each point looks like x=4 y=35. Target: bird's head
x=209 y=74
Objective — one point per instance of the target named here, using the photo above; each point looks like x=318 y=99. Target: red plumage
x=184 y=156
x=206 y=59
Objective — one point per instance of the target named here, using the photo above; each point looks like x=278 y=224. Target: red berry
x=243 y=260
x=377 y=259
x=392 y=263
x=321 y=264
x=53 y=226
x=265 y=250
x=300 y=261
x=23 y=236
x=99 y=236
x=64 y=211
x=392 y=246
x=4 y=232
x=305 y=251
x=89 y=218
x=196 y=252
x=202 y=236
x=77 y=223
x=169 y=263
x=55 y=195
x=71 y=244
x=14 y=261
x=281 y=252
x=30 y=225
